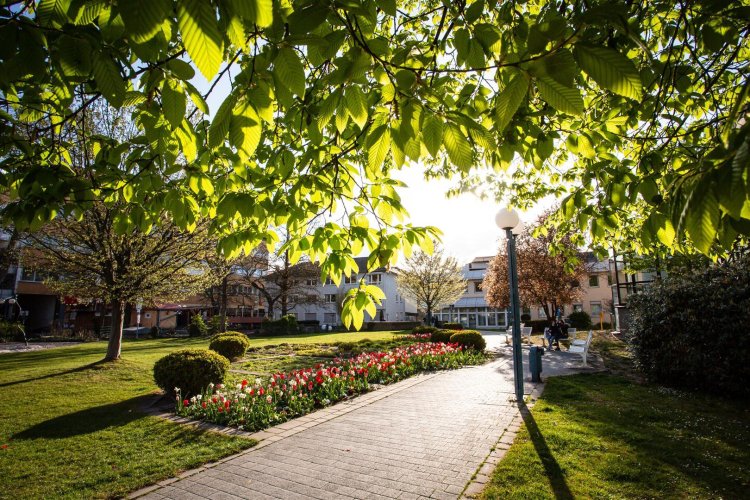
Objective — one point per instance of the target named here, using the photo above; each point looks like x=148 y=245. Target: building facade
x=473 y=311
x=327 y=310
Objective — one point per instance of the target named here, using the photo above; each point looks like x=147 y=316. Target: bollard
x=535 y=363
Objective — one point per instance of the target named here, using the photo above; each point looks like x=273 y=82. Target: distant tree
x=90 y=259
x=544 y=278
x=432 y=281
x=280 y=282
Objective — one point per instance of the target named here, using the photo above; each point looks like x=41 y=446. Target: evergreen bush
x=190 y=370
x=442 y=336
x=453 y=326
x=691 y=330
x=231 y=345
x=580 y=320
x=470 y=339
x=197 y=327
x=286 y=325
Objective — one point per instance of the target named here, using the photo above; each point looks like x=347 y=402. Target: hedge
x=190 y=370
x=231 y=345
x=470 y=339
x=691 y=331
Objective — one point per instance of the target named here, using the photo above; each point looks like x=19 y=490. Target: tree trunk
x=115 y=336
x=429 y=315
x=223 y=305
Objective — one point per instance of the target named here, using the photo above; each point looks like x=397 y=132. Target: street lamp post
x=21 y=316
x=509 y=221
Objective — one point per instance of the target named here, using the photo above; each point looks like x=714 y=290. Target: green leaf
x=143 y=18
x=510 y=99
x=245 y=130
x=173 y=103
x=702 y=218
x=458 y=147
x=187 y=140
x=356 y=104
x=196 y=97
x=290 y=71
x=89 y=12
x=610 y=69
x=53 y=10
x=181 y=69
x=432 y=133
x=220 y=124
x=388 y=6
x=259 y=12
x=378 y=145
x=562 y=98
x=109 y=81
x=201 y=35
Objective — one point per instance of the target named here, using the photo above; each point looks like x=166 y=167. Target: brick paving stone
x=424 y=437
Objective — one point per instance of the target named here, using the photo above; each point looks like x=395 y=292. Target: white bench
x=526 y=332
x=581 y=346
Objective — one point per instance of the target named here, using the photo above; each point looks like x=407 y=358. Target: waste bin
x=535 y=363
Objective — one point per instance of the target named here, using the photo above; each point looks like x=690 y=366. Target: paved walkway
x=424 y=437
x=10 y=347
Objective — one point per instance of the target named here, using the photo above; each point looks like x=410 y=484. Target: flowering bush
x=256 y=404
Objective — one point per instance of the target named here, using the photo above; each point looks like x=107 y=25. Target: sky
x=467 y=222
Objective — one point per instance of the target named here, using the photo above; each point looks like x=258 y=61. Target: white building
x=327 y=311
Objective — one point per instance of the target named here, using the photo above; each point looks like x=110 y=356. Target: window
x=374 y=279
x=350 y=279
x=329 y=281
x=329 y=318
x=577 y=307
x=311 y=282
x=311 y=316
x=593 y=280
x=541 y=314
x=477 y=286
x=596 y=309
x=31 y=275
x=609 y=279
x=330 y=298
x=399 y=298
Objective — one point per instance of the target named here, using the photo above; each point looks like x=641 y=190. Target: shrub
x=691 y=331
x=10 y=331
x=526 y=317
x=442 y=335
x=580 y=320
x=424 y=329
x=154 y=332
x=215 y=324
x=190 y=370
x=470 y=339
x=453 y=326
x=286 y=325
x=231 y=345
x=197 y=327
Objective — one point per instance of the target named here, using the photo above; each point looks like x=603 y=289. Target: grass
x=606 y=435
x=71 y=427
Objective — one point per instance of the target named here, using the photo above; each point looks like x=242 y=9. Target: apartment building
x=327 y=310
x=472 y=309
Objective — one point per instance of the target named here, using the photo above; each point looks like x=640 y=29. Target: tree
x=90 y=260
x=545 y=278
x=635 y=111
x=432 y=281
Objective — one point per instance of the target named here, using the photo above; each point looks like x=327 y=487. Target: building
x=473 y=311
x=327 y=310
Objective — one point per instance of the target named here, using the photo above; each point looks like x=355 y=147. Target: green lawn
x=73 y=428
x=608 y=436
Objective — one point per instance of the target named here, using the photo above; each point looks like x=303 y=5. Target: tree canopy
x=635 y=111
x=546 y=278
x=431 y=281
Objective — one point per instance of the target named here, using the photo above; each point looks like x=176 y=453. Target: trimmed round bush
x=453 y=326
x=424 y=329
x=441 y=336
x=191 y=370
x=231 y=345
x=580 y=320
x=469 y=339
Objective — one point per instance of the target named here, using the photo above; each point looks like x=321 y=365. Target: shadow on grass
x=89 y=420
x=77 y=369
x=551 y=468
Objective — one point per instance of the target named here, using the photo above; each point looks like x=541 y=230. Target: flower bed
x=261 y=403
